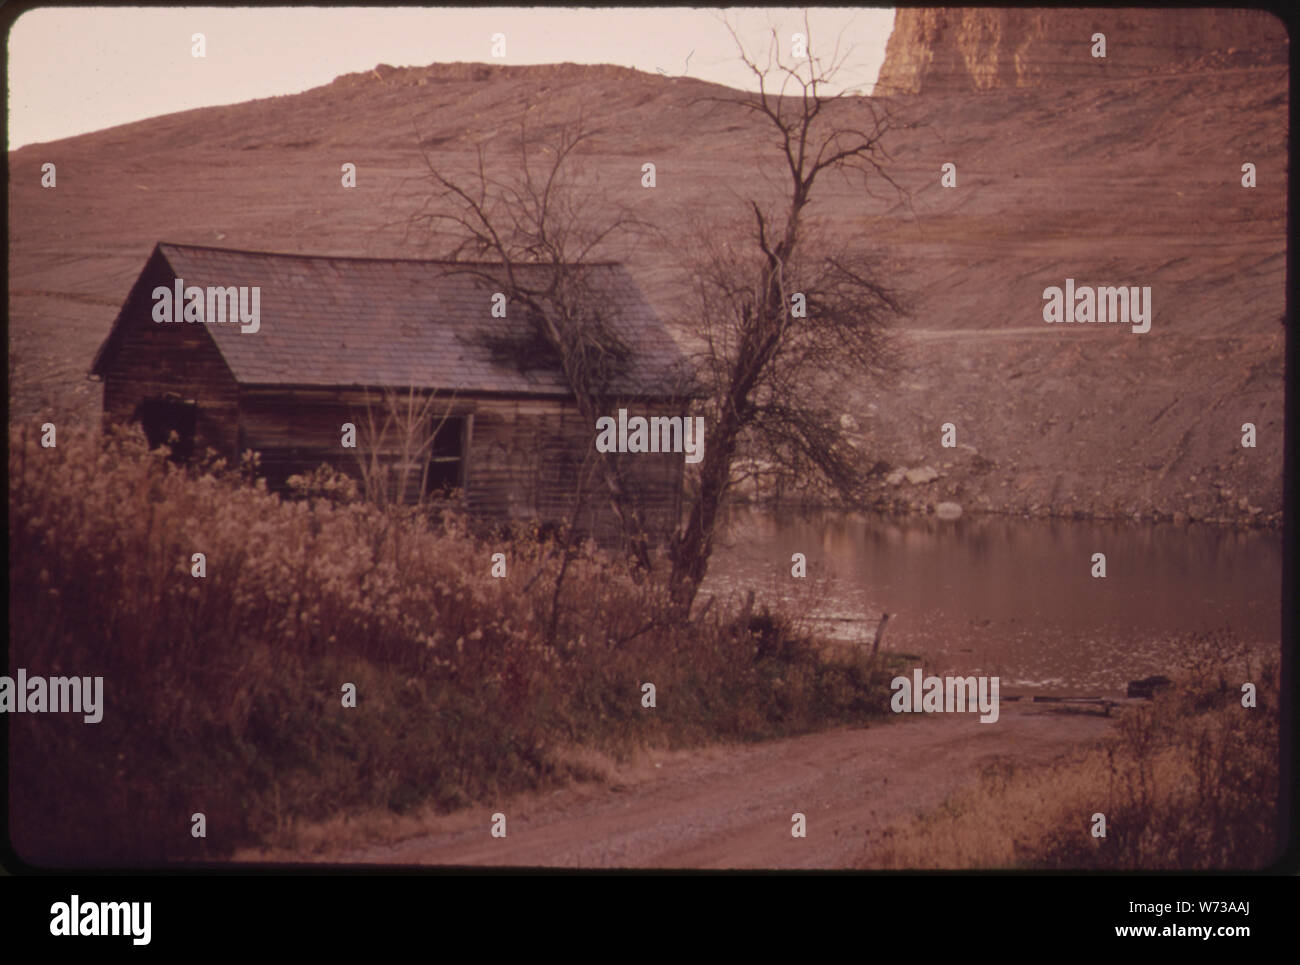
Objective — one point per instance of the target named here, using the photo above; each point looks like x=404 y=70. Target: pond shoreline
x=1046 y=603
x=917 y=509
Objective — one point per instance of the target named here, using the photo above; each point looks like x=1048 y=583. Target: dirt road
x=731 y=807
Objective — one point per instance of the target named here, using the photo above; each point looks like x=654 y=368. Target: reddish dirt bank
x=731 y=806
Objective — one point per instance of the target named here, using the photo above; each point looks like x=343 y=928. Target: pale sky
x=78 y=69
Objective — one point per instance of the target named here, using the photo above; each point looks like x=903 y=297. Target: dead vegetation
x=223 y=693
x=1188 y=782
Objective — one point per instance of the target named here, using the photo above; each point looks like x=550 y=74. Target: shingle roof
x=396 y=322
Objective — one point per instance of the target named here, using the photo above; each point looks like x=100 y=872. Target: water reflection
x=1015 y=597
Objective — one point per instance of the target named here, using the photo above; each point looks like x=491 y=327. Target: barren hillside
x=1131 y=181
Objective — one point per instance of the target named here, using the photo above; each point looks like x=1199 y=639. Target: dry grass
x=222 y=694
x=336 y=836
x=1188 y=782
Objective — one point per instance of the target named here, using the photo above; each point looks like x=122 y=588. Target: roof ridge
x=415 y=261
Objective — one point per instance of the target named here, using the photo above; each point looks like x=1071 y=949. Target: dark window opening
x=446 y=458
x=440 y=470
x=161 y=416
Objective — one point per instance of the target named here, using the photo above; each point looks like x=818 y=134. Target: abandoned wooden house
x=337 y=340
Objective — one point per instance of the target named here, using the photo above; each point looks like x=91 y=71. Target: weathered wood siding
x=525 y=459
x=296 y=431
x=538 y=459
x=151 y=359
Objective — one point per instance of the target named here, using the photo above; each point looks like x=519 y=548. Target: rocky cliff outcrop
x=954 y=49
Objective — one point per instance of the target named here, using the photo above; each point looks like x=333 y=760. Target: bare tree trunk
x=692 y=548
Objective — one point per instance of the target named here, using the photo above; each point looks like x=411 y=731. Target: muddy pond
x=1012 y=597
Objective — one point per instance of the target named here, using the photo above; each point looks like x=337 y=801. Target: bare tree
x=541 y=230
x=785 y=319
x=769 y=363
x=398 y=433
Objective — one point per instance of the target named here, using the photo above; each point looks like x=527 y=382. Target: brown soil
x=731 y=807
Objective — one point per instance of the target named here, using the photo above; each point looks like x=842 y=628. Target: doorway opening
x=160 y=416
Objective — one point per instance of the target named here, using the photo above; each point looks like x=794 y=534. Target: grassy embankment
x=1187 y=782
x=223 y=695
